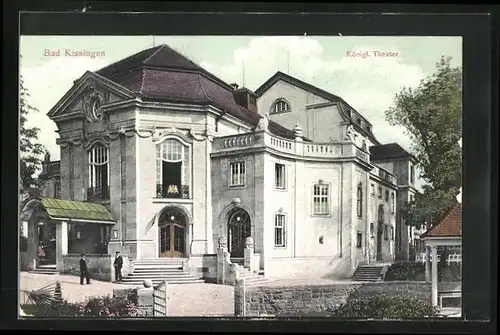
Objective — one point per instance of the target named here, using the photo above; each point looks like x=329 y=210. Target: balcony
x=314 y=150
x=97 y=193
x=172 y=191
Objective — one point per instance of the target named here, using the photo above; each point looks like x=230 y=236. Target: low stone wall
x=204 y=266
x=300 y=299
x=100 y=266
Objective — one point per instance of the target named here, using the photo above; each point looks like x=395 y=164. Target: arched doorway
x=172 y=233
x=238 y=229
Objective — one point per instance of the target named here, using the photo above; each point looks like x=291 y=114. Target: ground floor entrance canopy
x=64 y=227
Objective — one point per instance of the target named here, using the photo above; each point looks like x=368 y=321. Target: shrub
x=411 y=271
x=415 y=271
x=93 y=307
x=385 y=307
x=108 y=307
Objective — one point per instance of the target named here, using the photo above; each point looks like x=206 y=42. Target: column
x=31 y=252
x=427 y=264
x=434 y=276
x=61 y=243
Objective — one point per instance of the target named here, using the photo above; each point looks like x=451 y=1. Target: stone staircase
x=251 y=278
x=158 y=270
x=371 y=273
x=45 y=269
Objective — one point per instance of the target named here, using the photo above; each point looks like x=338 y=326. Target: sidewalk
x=183 y=299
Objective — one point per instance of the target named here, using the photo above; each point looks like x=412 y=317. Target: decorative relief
x=223 y=242
x=263 y=123
x=249 y=242
x=92 y=102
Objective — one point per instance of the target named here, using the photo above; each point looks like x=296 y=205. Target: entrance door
x=239 y=228
x=172 y=233
x=379 y=242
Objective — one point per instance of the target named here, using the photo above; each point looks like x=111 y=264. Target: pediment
x=88 y=92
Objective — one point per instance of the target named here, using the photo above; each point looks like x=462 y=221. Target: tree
x=431 y=114
x=31 y=151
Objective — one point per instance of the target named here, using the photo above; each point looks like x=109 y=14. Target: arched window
x=98 y=172
x=280 y=106
x=173 y=169
x=360 y=200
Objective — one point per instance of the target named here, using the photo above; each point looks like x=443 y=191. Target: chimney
x=246 y=98
x=234 y=86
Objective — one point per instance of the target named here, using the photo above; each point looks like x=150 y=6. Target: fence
x=160 y=299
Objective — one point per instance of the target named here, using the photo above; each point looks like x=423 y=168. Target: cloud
x=368 y=84
x=47 y=84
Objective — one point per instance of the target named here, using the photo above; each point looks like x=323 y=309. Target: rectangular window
x=279 y=176
x=412 y=174
x=359 y=203
x=392 y=233
x=237 y=174
x=279 y=231
x=359 y=240
x=386 y=234
x=372 y=229
x=373 y=189
x=380 y=192
x=387 y=195
x=321 y=204
x=393 y=203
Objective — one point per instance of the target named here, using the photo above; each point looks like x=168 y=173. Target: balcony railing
x=172 y=191
x=296 y=147
x=98 y=193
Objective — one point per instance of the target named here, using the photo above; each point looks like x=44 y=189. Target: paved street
x=184 y=299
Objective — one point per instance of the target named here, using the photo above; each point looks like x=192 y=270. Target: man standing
x=118 y=266
x=84 y=273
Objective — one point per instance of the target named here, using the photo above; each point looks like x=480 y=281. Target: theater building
x=181 y=158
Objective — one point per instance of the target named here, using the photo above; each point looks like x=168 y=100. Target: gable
x=85 y=92
x=297 y=97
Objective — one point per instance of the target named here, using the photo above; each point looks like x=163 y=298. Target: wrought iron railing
x=172 y=191
x=98 y=193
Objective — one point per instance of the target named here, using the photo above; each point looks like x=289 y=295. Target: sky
x=368 y=84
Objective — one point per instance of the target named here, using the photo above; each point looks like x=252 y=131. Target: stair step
x=154 y=275
x=140 y=283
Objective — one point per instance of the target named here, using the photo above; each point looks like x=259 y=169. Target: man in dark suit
x=84 y=271
x=118 y=266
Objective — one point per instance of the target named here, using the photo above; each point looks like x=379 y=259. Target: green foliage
x=431 y=114
x=429 y=207
x=385 y=307
x=415 y=271
x=410 y=271
x=31 y=151
x=94 y=307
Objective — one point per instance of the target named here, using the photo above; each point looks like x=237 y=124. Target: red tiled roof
x=450 y=226
x=163 y=74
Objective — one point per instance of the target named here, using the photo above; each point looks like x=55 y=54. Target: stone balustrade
x=294 y=147
x=383 y=174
